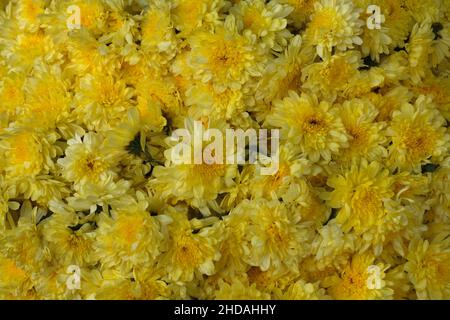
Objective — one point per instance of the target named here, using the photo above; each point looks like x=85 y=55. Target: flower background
x=86 y=178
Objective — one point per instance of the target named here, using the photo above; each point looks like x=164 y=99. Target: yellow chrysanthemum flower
x=190 y=255
x=129 y=237
x=285 y=72
x=271 y=236
x=69 y=241
x=310 y=124
x=428 y=267
x=28 y=12
x=354 y=281
x=366 y=135
x=102 y=101
x=265 y=20
x=334 y=24
x=360 y=193
x=225 y=58
x=417 y=134
x=158 y=38
x=190 y=15
x=419 y=49
x=332 y=76
x=12 y=96
x=87 y=160
x=198 y=183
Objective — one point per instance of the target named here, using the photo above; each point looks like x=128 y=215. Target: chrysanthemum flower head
x=272 y=235
x=439 y=89
x=102 y=101
x=130 y=236
x=334 y=24
x=285 y=72
x=266 y=21
x=312 y=125
x=375 y=41
x=428 y=267
x=225 y=57
x=354 y=282
x=190 y=15
x=366 y=135
x=48 y=101
x=333 y=75
x=14 y=281
x=398 y=21
x=419 y=49
x=86 y=159
x=190 y=254
x=158 y=38
x=69 y=241
x=359 y=193
x=198 y=183
x=417 y=134
x=93 y=94
x=25 y=153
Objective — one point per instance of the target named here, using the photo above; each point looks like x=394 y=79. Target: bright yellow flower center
x=419 y=142
x=91 y=166
x=359 y=135
x=337 y=72
x=353 y=285
x=437 y=267
x=25 y=152
x=128 y=229
x=187 y=251
x=315 y=124
x=324 y=21
x=225 y=55
x=108 y=94
x=366 y=203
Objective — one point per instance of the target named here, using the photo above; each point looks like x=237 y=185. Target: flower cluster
x=91 y=91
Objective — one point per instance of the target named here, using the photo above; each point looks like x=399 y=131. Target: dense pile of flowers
x=360 y=205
